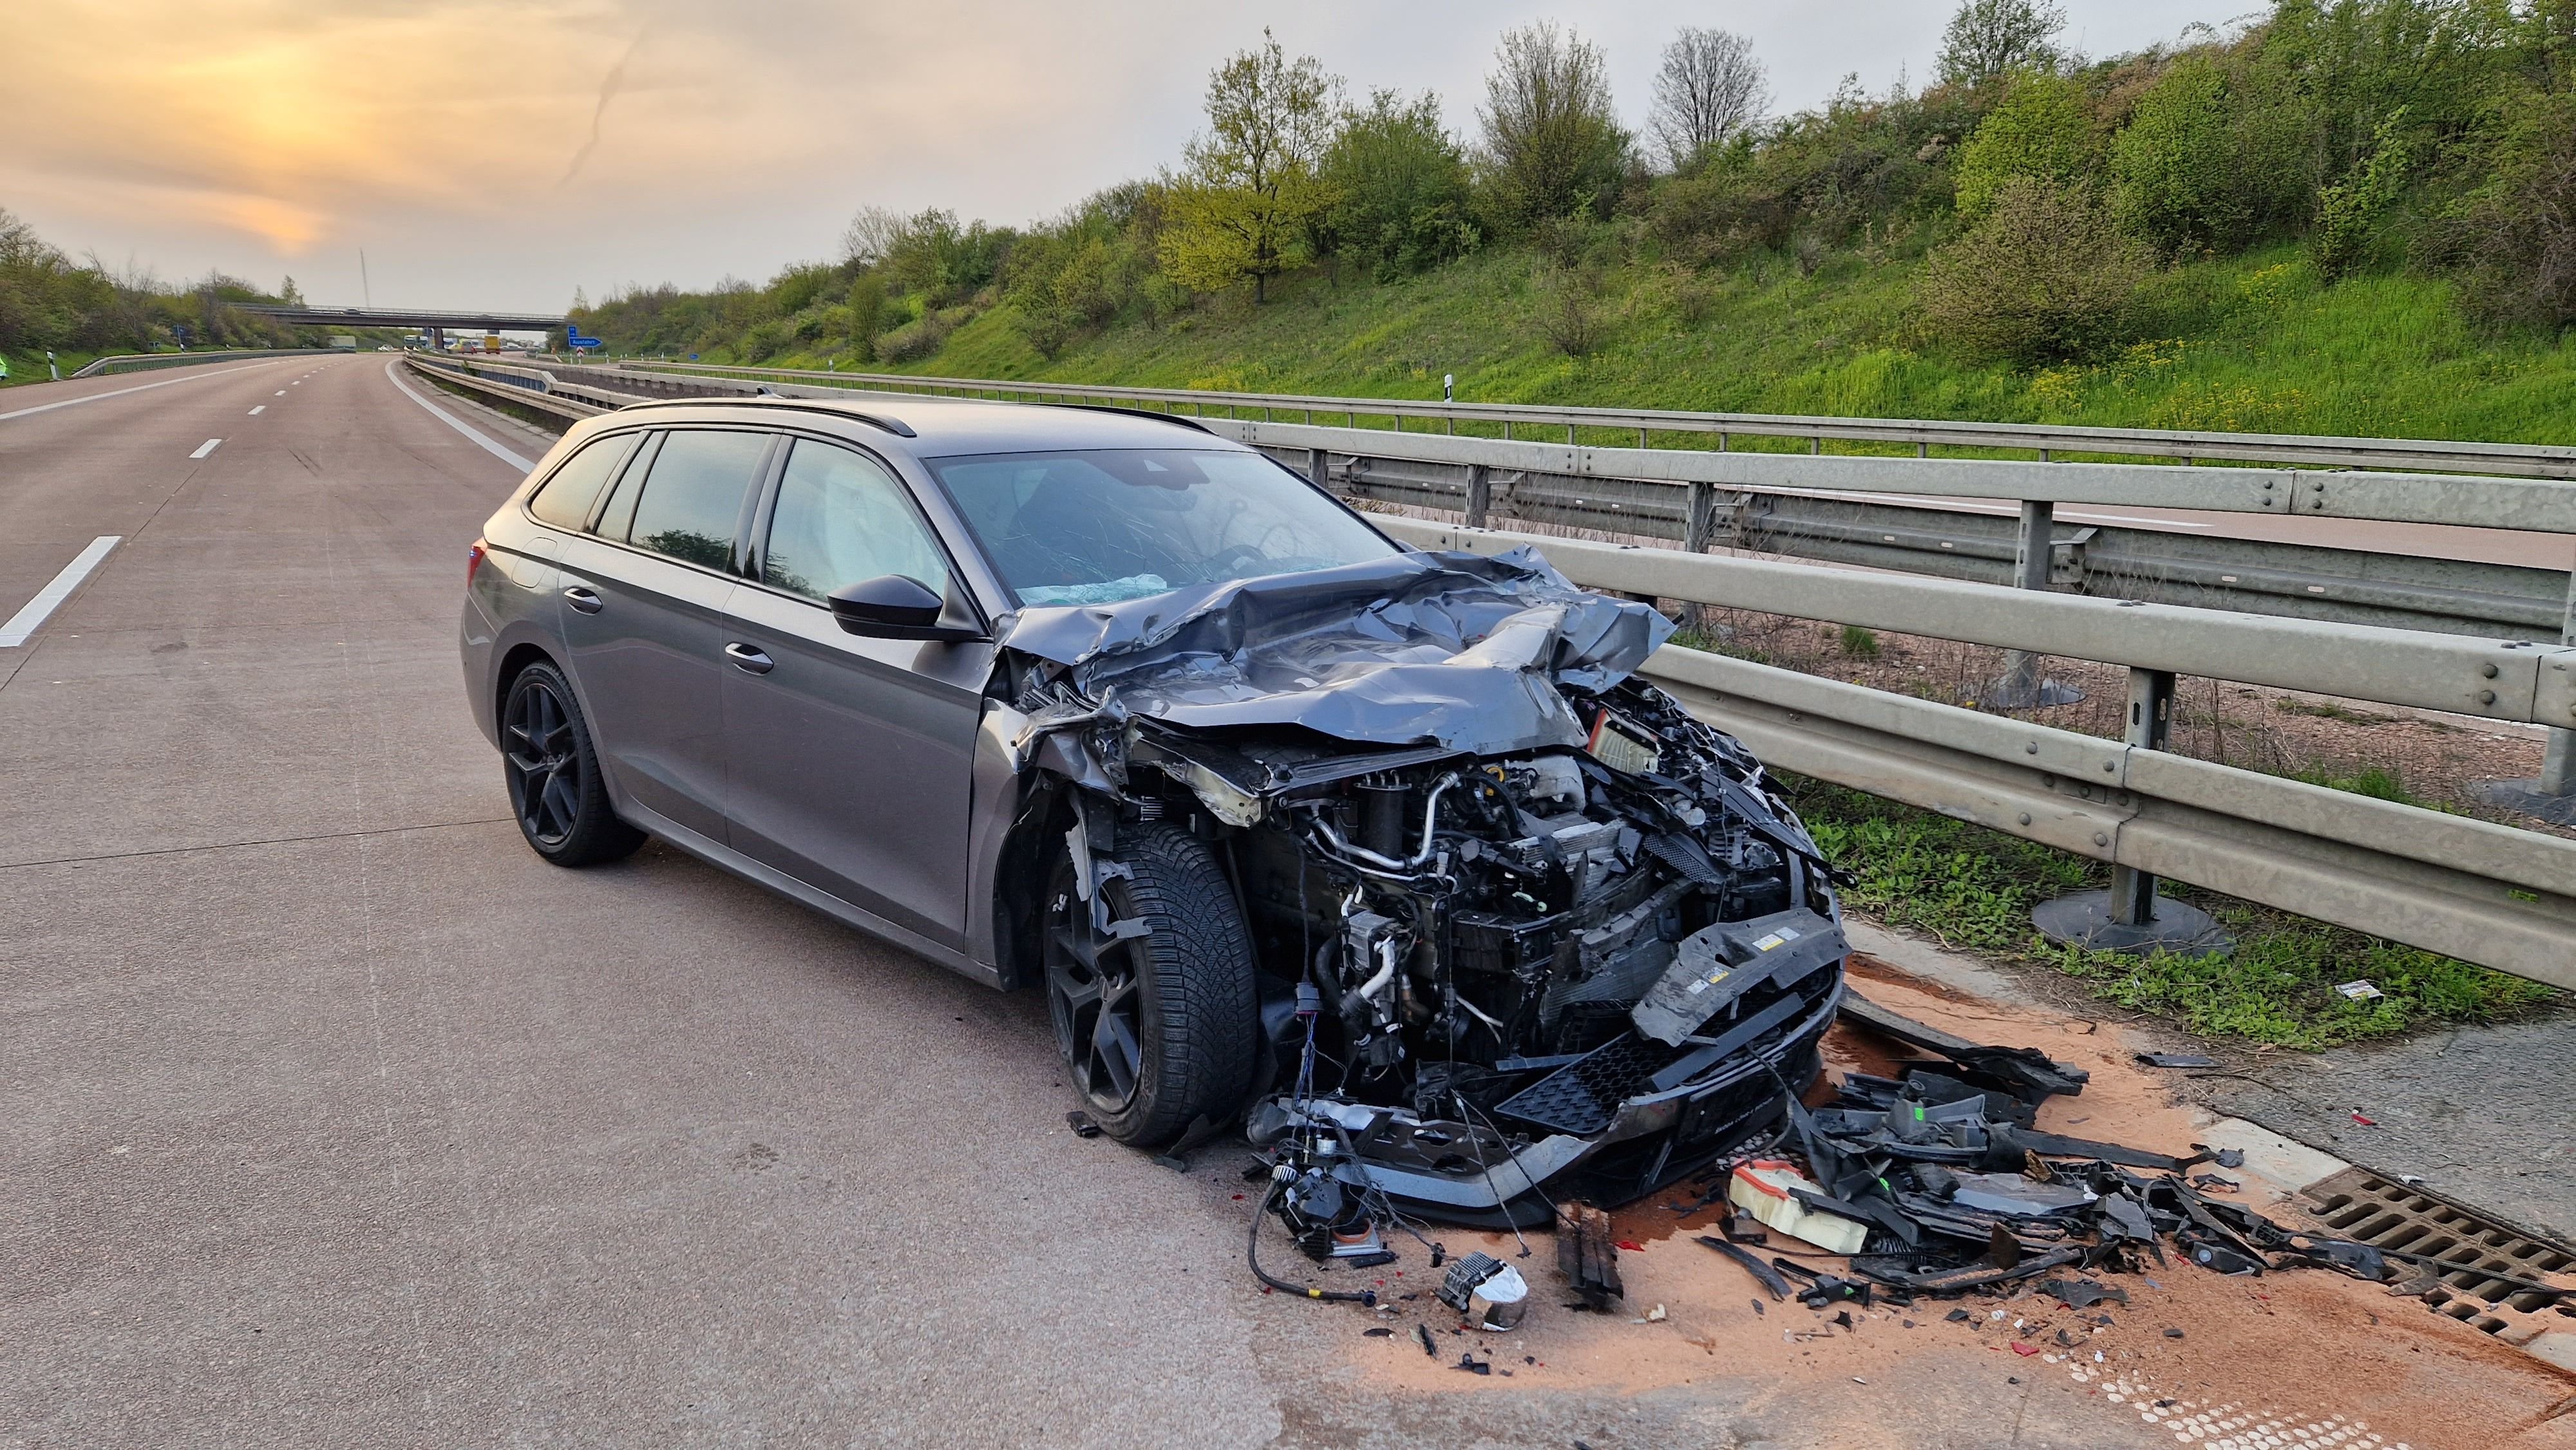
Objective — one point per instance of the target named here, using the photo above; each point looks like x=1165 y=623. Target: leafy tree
x=1242 y=208
x=2041 y=129
x=1552 y=146
x=2045 y=275
x=1708 y=91
x=1988 y=40
x=1399 y=183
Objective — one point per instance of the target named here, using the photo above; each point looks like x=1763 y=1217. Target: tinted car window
x=841 y=518
x=1097 y=527
x=692 y=499
x=566 y=499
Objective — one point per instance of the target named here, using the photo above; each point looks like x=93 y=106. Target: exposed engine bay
x=1521 y=926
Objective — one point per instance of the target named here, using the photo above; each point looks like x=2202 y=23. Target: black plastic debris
x=1381 y=1332
x=1958 y=1316
x=2016 y=1196
x=1473 y=1365
x=2025 y=1072
x=1770 y=1278
x=1082 y=1126
x=2176 y=1059
x=2081 y=1293
x=1589 y=1258
x=1430 y=1346
x=2170 y=1334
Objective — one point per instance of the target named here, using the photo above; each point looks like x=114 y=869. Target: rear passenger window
x=692 y=502
x=566 y=498
x=841 y=518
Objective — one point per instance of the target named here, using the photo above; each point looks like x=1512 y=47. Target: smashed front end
x=1523 y=927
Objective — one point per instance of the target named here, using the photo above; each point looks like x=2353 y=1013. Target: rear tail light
x=474 y=561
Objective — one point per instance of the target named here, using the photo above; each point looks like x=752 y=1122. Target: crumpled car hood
x=1460 y=650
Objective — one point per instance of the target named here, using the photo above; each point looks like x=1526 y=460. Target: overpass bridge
x=434 y=321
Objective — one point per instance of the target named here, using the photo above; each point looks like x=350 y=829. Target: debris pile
x=1936 y=1182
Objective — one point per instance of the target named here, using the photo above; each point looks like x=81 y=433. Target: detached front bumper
x=1652 y=1136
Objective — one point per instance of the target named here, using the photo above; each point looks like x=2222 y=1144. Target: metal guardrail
x=2516 y=459
x=2483 y=893
x=1836 y=508
x=559 y=409
x=536 y=380
x=135 y=362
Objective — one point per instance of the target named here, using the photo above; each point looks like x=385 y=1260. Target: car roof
x=929 y=427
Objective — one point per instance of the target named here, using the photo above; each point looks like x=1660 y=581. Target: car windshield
x=1096 y=527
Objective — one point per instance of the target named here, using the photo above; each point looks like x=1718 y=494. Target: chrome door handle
x=583 y=599
x=745 y=657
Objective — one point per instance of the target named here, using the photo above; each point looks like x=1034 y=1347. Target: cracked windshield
x=1101 y=526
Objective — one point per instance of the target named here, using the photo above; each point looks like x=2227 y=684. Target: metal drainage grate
x=2478 y=1257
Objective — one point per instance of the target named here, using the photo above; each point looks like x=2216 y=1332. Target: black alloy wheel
x=553 y=774
x=1153 y=999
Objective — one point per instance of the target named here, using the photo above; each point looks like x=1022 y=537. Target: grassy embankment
x=2250 y=344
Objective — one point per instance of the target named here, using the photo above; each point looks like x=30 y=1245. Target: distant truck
x=343 y=342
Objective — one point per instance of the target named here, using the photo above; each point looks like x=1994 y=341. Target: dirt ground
x=2297 y=1358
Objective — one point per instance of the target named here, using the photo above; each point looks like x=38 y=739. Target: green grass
x=2248 y=343
x=1973 y=888
x=29 y=367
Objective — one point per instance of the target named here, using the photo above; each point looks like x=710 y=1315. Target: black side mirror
x=893 y=606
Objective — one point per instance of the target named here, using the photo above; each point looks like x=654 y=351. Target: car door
x=850 y=758
x=643 y=611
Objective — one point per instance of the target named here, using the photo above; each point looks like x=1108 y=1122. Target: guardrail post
x=1480 y=494
x=2551 y=796
x=2131 y=916
x=1319 y=467
x=2022 y=687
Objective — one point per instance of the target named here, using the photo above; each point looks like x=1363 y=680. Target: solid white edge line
x=459 y=424
x=48 y=599
x=262 y=408
x=209 y=446
x=137 y=388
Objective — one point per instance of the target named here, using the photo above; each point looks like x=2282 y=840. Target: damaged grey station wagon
x=1387 y=854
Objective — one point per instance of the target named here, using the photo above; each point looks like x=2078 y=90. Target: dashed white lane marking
x=281 y=392
x=459 y=424
x=121 y=392
x=24 y=622
x=209 y=446
x=262 y=408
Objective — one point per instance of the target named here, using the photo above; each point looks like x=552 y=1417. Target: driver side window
x=841 y=518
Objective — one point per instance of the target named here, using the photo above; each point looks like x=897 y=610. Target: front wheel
x=552 y=770
x=1155 y=1011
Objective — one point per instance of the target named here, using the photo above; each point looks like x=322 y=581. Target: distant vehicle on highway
x=1391 y=847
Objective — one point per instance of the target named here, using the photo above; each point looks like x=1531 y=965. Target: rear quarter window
x=565 y=500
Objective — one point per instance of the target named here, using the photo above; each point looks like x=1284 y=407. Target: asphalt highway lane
x=335 y=1117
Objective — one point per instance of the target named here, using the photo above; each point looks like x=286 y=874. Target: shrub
x=2176 y=164
x=2519 y=233
x=1399 y=183
x=916 y=339
x=2045 y=275
x=2041 y=129
x=1570 y=314
x=1552 y=145
x=2348 y=212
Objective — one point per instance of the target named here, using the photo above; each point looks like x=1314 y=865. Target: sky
x=502 y=153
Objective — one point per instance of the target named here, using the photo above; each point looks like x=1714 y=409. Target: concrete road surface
x=336 y=1118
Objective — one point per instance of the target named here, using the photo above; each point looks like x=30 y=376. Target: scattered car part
x=1767 y=1189
x=1588 y=1258
x=2176 y=1059
x=1490 y=1293
x=1770 y=1278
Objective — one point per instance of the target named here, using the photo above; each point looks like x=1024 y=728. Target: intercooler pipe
x=1430 y=824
